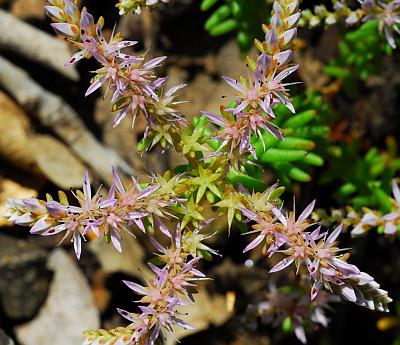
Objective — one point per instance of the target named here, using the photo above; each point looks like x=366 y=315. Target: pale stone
x=68 y=311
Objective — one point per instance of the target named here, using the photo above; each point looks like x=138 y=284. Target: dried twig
x=27 y=41
x=53 y=113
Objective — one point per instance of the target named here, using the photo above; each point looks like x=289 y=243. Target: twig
x=53 y=113
x=27 y=41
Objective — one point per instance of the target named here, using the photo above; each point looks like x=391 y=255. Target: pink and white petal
x=391 y=216
x=55 y=230
x=282 y=264
x=306 y=212
x=313 y=267
x=76 y=57
x=283 y=57
x=289 y=35
x=40 y=226
x=53 y=11
x=315 y=289
x=216 y=119
x=293 y=19
x=87 y=191
x=154 y=62
x=87 y=21
x=345 y=267
x=64 y=29
x=146 y=192
x=139 y=289
x=233 y=83
x=275 y=131
x=174 y=89
x=390 y=228
x=369 y=219
x=127 y=315
x=358 y=231
x=120 y=45
x=117 y=181
x=77 y=244
x=285 y=100
x=121 y=115
x=396 y=191
x=300 y=333
x=249 y=214
x=286 y=72
x=95 y=85
x=364 y=278
x=278 y=214
x=157 y=245
x=254 y=243
x=389 y=37
x=347 y=292
x=334 y=234
x=116 y=241
x=240 y=107
x=182 y=324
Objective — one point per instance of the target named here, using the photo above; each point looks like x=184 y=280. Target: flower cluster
x=103 y=216
x=251 y=112
x=294 y=306
x=125 y=6
x=389 y=223
x=171 y=287
x=387 y=13
x=315 y=250
x=136 y=91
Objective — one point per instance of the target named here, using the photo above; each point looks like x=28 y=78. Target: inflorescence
x=387 y=13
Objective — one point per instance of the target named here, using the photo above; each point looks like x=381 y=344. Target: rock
x=24 y=278
x=28 y=9
x=57 y=162
x=5 y=339
x=207 y=310
x=68 y=311
x=130 y=261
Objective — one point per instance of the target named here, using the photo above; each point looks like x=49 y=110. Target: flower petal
x=282 y=264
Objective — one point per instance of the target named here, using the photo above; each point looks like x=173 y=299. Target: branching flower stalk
x=387 y=13
x=360 y=223
x=318 y=252
x=178 y=197
x=136 y=91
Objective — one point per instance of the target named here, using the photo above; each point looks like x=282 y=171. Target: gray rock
x=24 y=278
x=68 y=311
x=5 y=339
